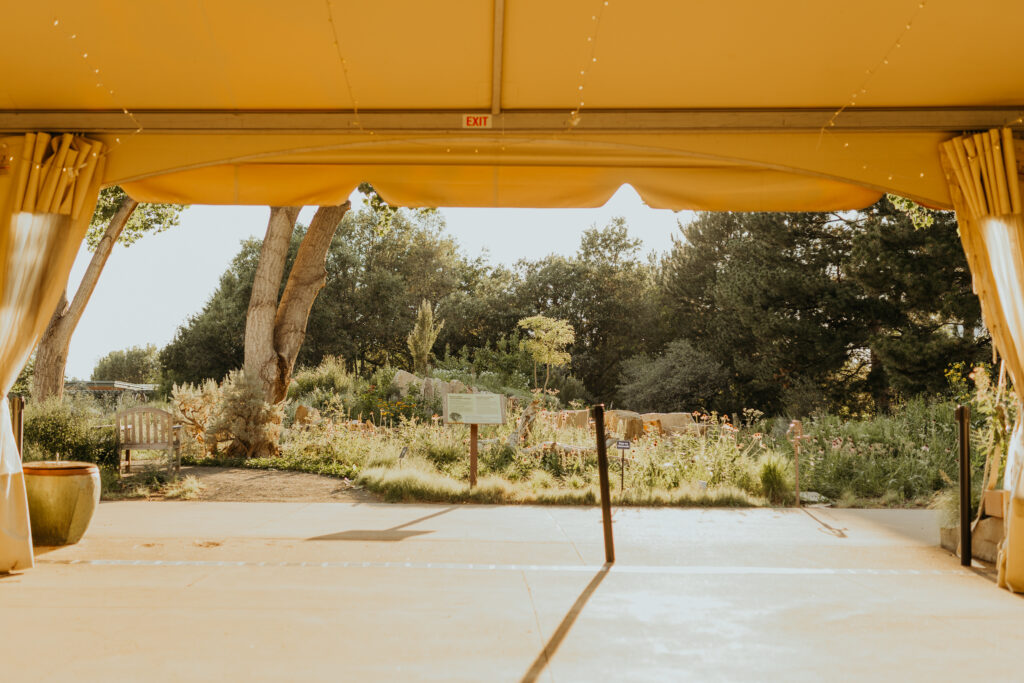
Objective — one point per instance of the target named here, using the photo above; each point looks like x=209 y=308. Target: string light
x=344 y=66
x=99 y=83
x=574 y=115
x=872 y=72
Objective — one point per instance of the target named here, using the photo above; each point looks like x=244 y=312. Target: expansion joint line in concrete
x=699 y=570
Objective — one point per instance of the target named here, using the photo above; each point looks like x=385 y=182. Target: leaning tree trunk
x=274 y=331
x=52 y=352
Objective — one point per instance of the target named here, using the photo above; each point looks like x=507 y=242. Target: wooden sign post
x=474 y=410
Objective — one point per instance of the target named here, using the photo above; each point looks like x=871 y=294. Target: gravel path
x=271 y=486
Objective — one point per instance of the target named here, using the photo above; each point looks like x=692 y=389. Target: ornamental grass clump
x=775 y=474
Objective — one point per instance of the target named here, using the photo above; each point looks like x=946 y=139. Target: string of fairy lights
x=588 y=63
x=344 y=66
x=870 y=73
x=95 y=71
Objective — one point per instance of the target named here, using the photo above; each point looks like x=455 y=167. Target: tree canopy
x=782 y=312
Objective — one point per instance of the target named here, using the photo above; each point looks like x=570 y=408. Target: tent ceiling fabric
x=70 y=59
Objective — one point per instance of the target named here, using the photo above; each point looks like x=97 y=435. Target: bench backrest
x=145 y=427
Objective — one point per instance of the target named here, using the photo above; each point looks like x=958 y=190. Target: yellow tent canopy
x=729 y=105
x=734 y=105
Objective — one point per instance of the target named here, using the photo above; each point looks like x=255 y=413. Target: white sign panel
x=479 y=409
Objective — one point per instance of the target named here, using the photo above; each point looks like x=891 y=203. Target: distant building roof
x=112 y=385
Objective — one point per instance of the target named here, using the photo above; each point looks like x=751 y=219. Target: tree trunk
x=260 y=354
x=307 y=277
x=52 y=352
x=274 y=331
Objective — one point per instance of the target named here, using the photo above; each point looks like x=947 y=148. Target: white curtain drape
x=48 y=189
x=983 y=176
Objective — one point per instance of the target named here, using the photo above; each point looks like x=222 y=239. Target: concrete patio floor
x=337 y=591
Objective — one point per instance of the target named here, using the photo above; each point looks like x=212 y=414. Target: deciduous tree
x=546 y=341
x=118 y=219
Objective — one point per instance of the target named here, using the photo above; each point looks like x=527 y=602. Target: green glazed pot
x=62 y=497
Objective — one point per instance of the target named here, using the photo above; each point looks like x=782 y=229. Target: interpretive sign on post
x=473 y=410
x=623 y=446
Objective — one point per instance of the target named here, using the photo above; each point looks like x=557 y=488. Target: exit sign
x=476 y=120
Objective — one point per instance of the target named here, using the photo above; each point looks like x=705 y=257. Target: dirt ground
x=237 y=484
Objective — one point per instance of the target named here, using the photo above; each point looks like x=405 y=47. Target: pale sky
x=148 y=290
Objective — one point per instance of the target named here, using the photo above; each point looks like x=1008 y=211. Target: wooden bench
x=147 y=429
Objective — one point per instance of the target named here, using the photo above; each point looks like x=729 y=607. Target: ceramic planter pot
x=62 y=497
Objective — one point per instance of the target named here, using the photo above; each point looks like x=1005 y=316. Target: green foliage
x=680 y=379
x=775 y=475
x=919 y=310
x=375 y=282
x=810 y=311
x=138 y=365
x=910 y=452
x=606 y=292
x=546 y=341
x=23 y=385
x=331 y=375
x=338 y=393
x=502 y=367
x=421 y=339
x=919 y=216
x=893 y=460
x=250 y=426
x=73 y=429
x=147 y=218
x=787 y=313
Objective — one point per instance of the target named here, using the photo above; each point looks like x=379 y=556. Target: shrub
x=330 y=377
x=72 y=429
x=194 y=406
x=681 y=378
x=249 y=424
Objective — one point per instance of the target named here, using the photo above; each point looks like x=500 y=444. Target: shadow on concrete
x=544 y=658
x=825 y=526
x=392 y=534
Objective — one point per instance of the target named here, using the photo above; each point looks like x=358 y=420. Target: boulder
x=441 y=389
x=673 y=423
x=428 y=388
x=457 y=387
x=653 y=426
x=403 y=380
x=576 y=419
x=624 y=423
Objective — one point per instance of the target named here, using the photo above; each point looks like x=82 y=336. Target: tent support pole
x=602 y=468
x=963 y=418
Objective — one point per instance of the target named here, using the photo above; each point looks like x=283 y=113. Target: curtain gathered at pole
x=48 y=190
x=984 y=179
